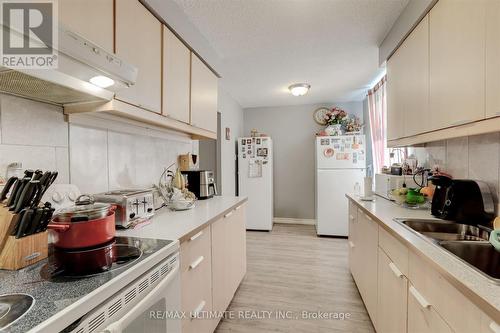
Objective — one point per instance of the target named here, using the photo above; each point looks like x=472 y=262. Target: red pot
x=83 y=234
x=84 y=262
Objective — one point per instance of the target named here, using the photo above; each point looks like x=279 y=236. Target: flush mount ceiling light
x=299 y=89
x=102 y=81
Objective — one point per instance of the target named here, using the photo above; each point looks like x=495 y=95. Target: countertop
x=484 y=293
x=167 y=224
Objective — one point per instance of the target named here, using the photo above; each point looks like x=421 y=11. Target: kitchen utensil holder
x=17 y=253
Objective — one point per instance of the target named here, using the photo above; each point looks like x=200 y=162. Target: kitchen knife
x=44 y=184
x=14 y=197
x=46 y=219
x=35 y=221
x=27 y=196
x=13 y=232
x=37 y=175
x=7 y=187
x=24 y=223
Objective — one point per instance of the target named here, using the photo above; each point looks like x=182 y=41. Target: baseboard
x=290 y=220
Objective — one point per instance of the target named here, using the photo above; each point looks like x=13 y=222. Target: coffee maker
x=201 y=183
x=462 y=200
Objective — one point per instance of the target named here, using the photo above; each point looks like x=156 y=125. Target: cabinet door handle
x=228 y=214
x=237 y=208
x=420 y=299
x=395 y=270
x=196 y=236
x=494 y=327
x=497 y=113
x=195 y=263
x=351 y=217
x=198 y=309
x=368 y=218
x=351 y=244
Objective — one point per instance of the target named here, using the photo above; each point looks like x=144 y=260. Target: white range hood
x=79 y=60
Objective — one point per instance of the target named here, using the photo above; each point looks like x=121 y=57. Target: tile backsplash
x=94 y=159
x=474 y=157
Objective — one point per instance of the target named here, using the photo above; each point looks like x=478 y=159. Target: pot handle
x=494 y=239
x=58 y=227
x=84 y=199
x=113 y=208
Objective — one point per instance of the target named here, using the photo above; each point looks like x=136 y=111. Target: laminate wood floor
x=292 y=270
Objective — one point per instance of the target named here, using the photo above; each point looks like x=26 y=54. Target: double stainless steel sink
x=467 y=242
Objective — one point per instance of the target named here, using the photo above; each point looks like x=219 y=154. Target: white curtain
x=377 y=109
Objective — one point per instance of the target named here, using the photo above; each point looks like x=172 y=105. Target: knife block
x=18 y=253
x=8 y=222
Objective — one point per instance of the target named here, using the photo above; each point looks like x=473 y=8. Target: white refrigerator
x=340 y=168
x=255 y=180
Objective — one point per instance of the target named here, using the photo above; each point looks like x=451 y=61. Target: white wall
x=231 y=117
x=94 y=159
x=293 y=131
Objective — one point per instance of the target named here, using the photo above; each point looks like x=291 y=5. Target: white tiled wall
x=475 y=157
x=94 y=159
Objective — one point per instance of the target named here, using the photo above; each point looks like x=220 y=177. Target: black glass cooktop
x=81 y=263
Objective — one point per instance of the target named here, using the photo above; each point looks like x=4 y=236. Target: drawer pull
x=228 y=214
x=237 y=208
x=421 y=300
x=494 y=327
x=368 y=218
x=351 y=244
x=351 y=217
x=196 y=236
x=395 y=270
x=195 y=263
x=199 y=308
x=461 y=122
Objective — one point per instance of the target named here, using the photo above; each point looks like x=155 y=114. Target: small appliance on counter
x=132 y=204
x=201 y=183
x=462 y=200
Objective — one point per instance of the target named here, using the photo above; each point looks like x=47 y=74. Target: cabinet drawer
x=460 y=313
x=422 y=317
x=394 y=249
x=488 y=325
x=196 y=281
x=194 y=247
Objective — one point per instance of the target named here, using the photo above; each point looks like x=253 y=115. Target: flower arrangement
x=352 y=125
x=335 y=116
x=339 y=122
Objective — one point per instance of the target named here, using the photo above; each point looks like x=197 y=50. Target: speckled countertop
x=167 y=224
x=61 y=301
x=478 y=288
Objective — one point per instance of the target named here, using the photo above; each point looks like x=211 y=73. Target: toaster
x=131 y=205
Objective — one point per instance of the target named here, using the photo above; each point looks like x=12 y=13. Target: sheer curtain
x=377 y=109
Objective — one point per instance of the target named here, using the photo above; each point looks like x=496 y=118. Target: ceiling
x=266 y=45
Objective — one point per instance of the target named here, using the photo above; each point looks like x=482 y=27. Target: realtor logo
x=29 y=34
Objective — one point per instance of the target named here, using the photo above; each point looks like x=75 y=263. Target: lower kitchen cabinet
x=352 y=241
x=365 y=262
x=228 y=257
x=196 y=281
x=422 y=317
x=213 y=264
x=392 y=296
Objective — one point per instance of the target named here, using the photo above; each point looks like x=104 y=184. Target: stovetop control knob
x=57 y=197
x=72 y=196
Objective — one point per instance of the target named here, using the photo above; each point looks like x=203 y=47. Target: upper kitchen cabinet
x=395 y=105
x=457 y=62
x=493 y=58
x=176 y=77
x=75 y=16
x=408 y=85
x=415 y=93
x=203 y=96
x=138 y=41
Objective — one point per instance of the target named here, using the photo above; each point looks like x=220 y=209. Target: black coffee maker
x=462 y=200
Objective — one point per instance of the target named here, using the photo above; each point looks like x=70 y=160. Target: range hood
x=79 y=60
